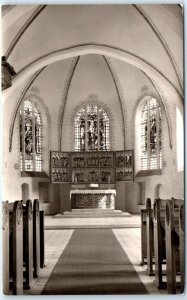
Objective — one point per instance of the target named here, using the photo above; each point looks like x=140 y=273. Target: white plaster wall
x=170 y=28
x=134 y=86
x=49 y=88
x=172 y=181
x=92 y=76
x=51 y=84
x=14 y=28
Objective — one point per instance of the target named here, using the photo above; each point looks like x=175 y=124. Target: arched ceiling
x=153 y=33
x=38 y=37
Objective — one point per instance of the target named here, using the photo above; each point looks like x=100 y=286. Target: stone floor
x=56 y=240
x=92 y=222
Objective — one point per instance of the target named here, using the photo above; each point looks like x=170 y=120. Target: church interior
x=92 y=149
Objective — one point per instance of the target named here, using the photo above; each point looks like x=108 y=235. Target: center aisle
x=94 y=263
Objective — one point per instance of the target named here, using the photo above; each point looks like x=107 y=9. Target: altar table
x=92 y=198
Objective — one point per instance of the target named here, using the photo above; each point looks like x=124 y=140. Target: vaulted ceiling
x=149 y=37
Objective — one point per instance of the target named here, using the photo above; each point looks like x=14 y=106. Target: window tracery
x=92 y=129
x=151 y=135
x=30 y=128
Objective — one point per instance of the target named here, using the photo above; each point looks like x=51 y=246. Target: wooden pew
x=42 y=240
x=174 y=259
x=36 y=238
x=159 y=240
x=143 y=237
x=166 y=242
x=36 y=225
x=182 y=244
x=150 y=238
x=28 y=243
x=5 y=244
x=23 y=237
x=16 y=247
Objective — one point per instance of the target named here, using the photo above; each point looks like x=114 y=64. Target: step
x=88 y=226
x=93 y=210
x=97 y=212
x=95 y=215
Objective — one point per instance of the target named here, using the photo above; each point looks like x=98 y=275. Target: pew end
x=22 y=222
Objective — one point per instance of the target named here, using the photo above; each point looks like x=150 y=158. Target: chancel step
x=92 y=213
x=93 y=210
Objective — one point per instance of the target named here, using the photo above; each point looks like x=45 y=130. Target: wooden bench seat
x=38 y=238
x=159 y=242
x=28 y=243
x=23 y=245
x=166 y=242
x=15 y=247
x=174 y=218
x=143 y=237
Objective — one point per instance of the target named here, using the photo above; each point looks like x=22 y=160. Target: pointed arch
x=148 y=137
x=43 y=136
x=93 y=99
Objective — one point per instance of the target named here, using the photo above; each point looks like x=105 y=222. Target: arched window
x=151 y=134
x=30 y=125
x=92 y=129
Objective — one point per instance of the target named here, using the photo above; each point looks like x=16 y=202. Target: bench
x=150 y=237
x=23 y=245
x=174 y=229
x=5 y=244
x=15 y=247
x=28 y=243
x=143 y=237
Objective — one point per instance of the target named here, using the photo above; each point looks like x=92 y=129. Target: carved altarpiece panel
x=92 y=166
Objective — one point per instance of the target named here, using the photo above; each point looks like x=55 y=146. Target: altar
x=93 y=198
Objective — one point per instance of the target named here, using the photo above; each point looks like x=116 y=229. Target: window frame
x=108 y=130
x=146 y=122
x=36 y=111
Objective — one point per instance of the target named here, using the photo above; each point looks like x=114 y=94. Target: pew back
x=16 y=240
x=150 y=239
x=28 y=242
x=182 y=244
x=143 y=236
x=36 y=238
x=5 y=244
x=174 y=243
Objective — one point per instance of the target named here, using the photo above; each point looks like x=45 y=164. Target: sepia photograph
x=92 y=140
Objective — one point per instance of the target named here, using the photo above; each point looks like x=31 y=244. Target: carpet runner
x=94 y=263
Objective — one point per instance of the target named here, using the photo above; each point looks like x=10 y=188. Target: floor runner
x=94 y=263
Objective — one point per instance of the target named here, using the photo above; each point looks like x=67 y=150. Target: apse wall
x=92 y=82
x=63 y=87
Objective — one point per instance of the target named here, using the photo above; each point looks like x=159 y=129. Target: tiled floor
x=56 y=241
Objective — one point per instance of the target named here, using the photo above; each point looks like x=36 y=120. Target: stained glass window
x=151 y=134
x=30 y=125
x=92 y=129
